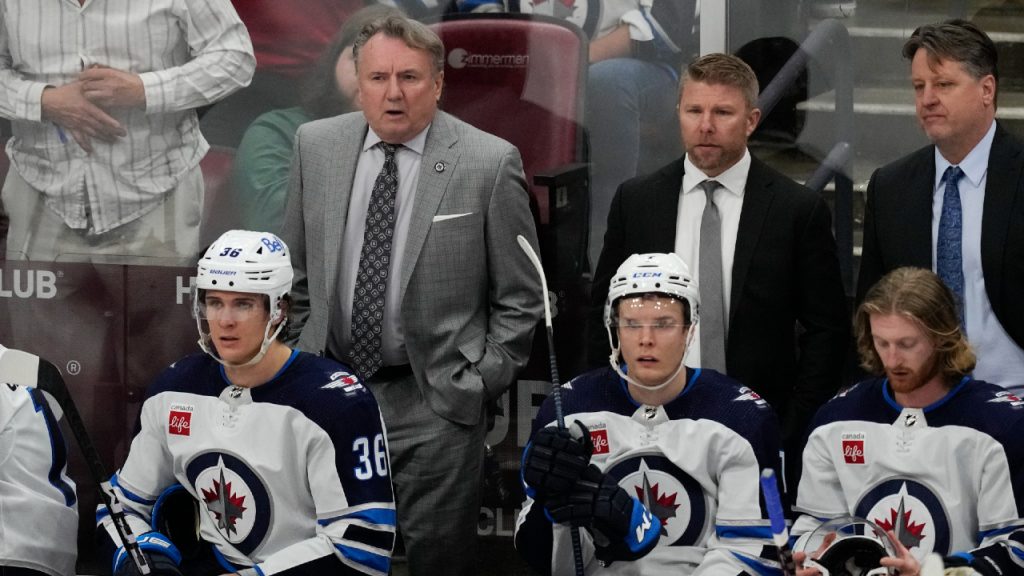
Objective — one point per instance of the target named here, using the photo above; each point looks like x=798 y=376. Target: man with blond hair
x=922 y=448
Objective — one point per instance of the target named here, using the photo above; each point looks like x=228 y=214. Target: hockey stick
x=780 y=534
x=556 y=385
x=17 y=367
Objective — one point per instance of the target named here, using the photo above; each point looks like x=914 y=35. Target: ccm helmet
x=857 y=549
x=649 y=274
x=245 y=261
x=652 y=273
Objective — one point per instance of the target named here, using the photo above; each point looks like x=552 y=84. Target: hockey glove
x=992 y=560
x=163 y=557
x=623 y=529
x=555 y=459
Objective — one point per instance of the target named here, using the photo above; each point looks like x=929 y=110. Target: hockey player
x=283 y=451
x=38 y=505
x=922 y=449
x=687 y=443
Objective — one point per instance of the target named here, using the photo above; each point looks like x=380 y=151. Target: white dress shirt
x=371 y=160
x=1000 y=360
x=729 y=199
x=188 y=53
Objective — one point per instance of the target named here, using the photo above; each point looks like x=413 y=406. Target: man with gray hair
x=957 y=206
x=403 y=223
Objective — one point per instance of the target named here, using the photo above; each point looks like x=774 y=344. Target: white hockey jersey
x=945 y=478
x=694 y=462
x=292 y=475
x=38 y=505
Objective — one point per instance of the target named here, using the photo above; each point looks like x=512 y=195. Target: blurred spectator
x=287 y=37
x=260 y=173
x=636 y=49
x=106 y=146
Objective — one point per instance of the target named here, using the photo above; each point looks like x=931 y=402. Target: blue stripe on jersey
x=764 y=532
x=997 y=531
x=899 y=408
x=757 y=567
x=231 y=569
x=376 y=561
x=383 y=516
x=129 y=494
x=258 y=570
x=58 y=449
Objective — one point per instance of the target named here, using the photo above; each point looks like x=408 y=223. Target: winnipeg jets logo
x=233 y=500
x=1008 y=398
x=343 y=380
x=227 y=506
x=908 y=532
x=674 y=498
x=912 y=511
x=746 y=394
x=660 y=504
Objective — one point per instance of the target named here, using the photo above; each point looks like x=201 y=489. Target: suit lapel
x=916 y=216
x=664 y=212
x=438 y=152
x=757 y=199
x=338 y=191
x=1004 y=176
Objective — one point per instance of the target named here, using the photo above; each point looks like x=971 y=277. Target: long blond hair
x=920 y=296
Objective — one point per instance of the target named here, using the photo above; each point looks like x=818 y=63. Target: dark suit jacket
x=898 y=225
x=785 y=273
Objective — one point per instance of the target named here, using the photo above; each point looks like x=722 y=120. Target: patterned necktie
x=948 y=247
x=712 y=298
x=374 y=265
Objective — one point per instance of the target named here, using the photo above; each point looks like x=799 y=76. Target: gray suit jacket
x=470 y=297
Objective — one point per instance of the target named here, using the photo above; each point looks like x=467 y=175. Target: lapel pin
x=439 y=167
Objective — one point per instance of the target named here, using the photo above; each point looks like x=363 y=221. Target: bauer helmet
x=649 y=274
x=857 y=549
x=250 y=262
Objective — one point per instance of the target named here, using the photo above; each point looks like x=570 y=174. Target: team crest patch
x=746 y=394
x=347 y=382
x=233 y=499
x=179 y=419
x=1008 y=398
x=912 y=511
x=674 y=497
x=853 y=447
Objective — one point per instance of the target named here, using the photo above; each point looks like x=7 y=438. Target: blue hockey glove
x=163 y=557
x=555 y=459
x=623 y=529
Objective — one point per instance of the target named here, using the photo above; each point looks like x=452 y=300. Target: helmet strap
x=615 y=359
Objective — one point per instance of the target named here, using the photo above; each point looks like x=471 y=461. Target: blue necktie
x=949 y=263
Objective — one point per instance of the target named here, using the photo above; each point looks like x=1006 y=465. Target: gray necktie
x=374 y=265
x=712 y=298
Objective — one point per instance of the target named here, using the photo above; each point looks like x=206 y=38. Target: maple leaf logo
x=909 y=533
x=662 y=506
x=225 y=505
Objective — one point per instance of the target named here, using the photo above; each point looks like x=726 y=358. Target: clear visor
x=237 y=308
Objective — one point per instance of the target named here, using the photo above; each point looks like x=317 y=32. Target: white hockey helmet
x=857 y=549
x=250 y=262
x=650 y=274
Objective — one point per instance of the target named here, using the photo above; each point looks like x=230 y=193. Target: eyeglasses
x=236 y=310
x=632 y=328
